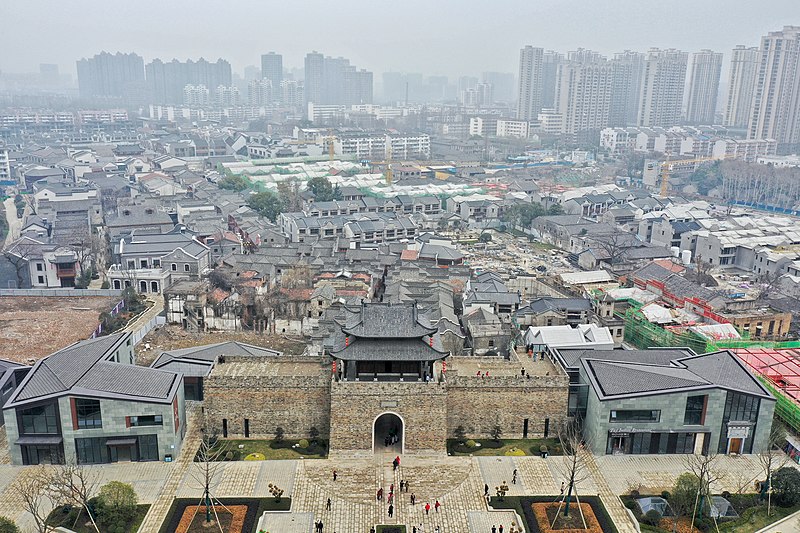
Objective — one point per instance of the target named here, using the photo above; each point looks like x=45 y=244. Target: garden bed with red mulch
x=231 y=518
x=545 y=513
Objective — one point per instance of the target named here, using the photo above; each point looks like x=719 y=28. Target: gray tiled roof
x=571 y=358
x=724 y=369
x=615 y=378
x=395 y=321
x=83 y=368
x=210 y=352
x=396 y=350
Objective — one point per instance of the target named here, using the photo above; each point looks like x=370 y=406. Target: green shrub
x=630 y=504
x=786 y=486
x=7 y=526
x=492 y=443
x=470 y=443
x=302 y=443
x=116 y=506
x=651 y=517
x=105 y=285
x=665 y=494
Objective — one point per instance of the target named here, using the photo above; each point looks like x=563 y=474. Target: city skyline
x=598 y=26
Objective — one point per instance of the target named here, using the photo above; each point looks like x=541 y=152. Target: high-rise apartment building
x=111 y=75
x=165 y=81
x=226 y=96
x=529 y=94
x=776 y=100
x=550 y=62
x=292 y=93
x=583 y=92
x=741 y=82
x=503 y=86
x=663 y=83
x=331 y=80
x=272 y=68
x=703 y=87
x=195 y=95
x=260 y=93
x=627 y=69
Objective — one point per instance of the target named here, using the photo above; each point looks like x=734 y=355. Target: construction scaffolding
x=779 y=370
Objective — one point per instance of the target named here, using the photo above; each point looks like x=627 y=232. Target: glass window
x=88 y=413
x=186 y=268
x=148 y=420
x=693 y=416
x=635 y=415
x=91 y=451
x=148 y=447
x=40 y=419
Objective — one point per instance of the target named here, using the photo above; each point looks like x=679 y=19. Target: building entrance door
x=735 y=446
x=618 y=445
x=388 y=434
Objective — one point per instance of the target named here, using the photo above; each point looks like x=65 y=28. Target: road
x=14 y=223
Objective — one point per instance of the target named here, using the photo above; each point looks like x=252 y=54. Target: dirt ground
x=172 y=337
x=32 y=327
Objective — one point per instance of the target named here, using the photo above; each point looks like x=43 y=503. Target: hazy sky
x=429 y=36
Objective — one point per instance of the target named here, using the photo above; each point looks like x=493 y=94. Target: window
x=148 y=448
x=491 y=343
x=174 y=267
x=40 y=419
x=143 y=263
x=693 y=416
x=39 y=267
x=153 y=286
x=131 y=265
x=88 y=412
x=40 y=279
x=147 y=420
x=635 y=415
x=156 y=263
x=91 y=451
x=186 y=268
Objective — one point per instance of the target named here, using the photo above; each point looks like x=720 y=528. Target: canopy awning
x=121 y=442
x=42 y=439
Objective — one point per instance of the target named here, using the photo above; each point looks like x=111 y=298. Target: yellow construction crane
x=667 y=168
x=331 y=139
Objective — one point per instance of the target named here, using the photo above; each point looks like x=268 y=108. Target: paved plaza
x=457 y=483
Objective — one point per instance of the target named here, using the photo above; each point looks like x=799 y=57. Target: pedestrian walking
x=562 y=488
x=391 y=497
x=406 y=486
x=437 y=505
x=379 y=494
x=394 y=464
x=427 y=508
x=437 y=530
x=391 y=510
x=391 y=487
x=402 y=484
x=494 y=529
x=334 y=475
x=413 y=529
x=501 y=528
x=514 y=477
x=328 y=505
x=398 y=460
x=523 y=372
x=413 y=499
x=372 y=529
x=485 y=489
x=321 y=526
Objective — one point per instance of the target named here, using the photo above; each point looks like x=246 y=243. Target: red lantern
x=444 y=367
x=334 y=367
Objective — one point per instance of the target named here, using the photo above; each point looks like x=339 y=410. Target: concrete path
x=162 y=503
x=790 y=524
x=616 y=510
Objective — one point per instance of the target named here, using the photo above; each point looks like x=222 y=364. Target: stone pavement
x=5 y=456
x=624 y=522
x=654 y=473
x=160 y=507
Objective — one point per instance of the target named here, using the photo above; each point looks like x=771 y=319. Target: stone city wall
x=480 y=404
x=295 y=404
x=356 y=405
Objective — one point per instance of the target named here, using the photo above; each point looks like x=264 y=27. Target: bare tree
x=19 y=254
x=615 y=246
x=573 y=466
x=705 y=468
x=74 y=484
x=38 y=498
x=771 y=460
x=206 y=471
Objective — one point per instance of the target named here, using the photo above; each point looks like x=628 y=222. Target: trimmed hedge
x=523 y=504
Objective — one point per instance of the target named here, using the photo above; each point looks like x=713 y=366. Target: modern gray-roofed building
x=11 y=375
x=668 y=401
x=88 y=403
x=139 y=218
x=554 y=312
x=196 y=363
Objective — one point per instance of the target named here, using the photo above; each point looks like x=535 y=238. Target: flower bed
x=523 y=505
x=545 y=513
x=252 y=510
x=231 y=518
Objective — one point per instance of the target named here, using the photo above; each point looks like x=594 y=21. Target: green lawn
x=511 y=447
x=268 y=452
x=755 y=519
x=60 y=517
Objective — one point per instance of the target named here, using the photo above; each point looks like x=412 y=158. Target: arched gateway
x=388 y=434
x=387 y=386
